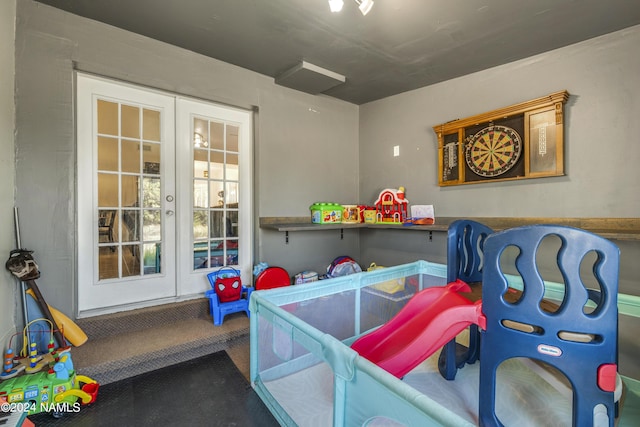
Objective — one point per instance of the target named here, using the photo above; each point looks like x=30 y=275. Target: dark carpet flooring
x=208 y=391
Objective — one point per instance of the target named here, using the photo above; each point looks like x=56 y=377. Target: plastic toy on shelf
x=326 y=213
x=391 y=206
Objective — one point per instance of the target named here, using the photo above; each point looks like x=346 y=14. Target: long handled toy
x=22 y=265
x=72 y=332
x=25 y=265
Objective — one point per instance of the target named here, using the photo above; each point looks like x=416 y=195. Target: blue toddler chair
x=220 y=309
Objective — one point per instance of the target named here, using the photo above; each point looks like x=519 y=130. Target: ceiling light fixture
x=336 y=5
x=199 y=140
x=365 y=6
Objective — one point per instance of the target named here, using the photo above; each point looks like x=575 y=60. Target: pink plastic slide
x=430 y=319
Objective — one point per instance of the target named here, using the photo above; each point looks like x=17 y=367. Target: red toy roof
x=393 y=193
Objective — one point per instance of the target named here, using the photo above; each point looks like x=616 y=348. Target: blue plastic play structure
x=304 y=368
x=579 y=338
x=220 y=309
x=465 y=245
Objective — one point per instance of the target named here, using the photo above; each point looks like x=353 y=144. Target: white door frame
x=192 y=281
x=94 y=294
x=178 y=280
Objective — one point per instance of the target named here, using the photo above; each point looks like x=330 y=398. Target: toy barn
x=391 y=206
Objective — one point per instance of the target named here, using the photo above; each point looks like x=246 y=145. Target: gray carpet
x=125 y=344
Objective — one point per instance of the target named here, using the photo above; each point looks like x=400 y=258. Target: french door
x=215 y=204
x=159 y=195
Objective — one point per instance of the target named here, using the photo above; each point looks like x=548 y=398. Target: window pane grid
x=215 y=203
x=129 y=184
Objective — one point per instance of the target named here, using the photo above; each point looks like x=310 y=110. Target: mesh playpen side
x=306 y=373
x=304 y=370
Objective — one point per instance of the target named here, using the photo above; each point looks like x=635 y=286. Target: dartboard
x=493 y=150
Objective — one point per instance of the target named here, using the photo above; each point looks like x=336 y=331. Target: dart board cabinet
x=517 y=142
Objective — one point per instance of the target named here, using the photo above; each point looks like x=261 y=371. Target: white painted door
x=164 y=195
x=214 y=183
x=126 y=194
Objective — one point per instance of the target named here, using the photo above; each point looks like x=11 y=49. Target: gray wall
x=601 y=144
x=601 y=134
x=7 y=168
x=312 y=156
x=602 y=150
x=292 y=128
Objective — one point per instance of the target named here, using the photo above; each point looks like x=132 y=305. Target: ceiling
x=399 y=46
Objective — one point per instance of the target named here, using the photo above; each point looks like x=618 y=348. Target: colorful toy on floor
x=31 y=360
x=56 y=389
x=10 y=370
x=44 y=382
x=306 y=276
x=343 y=266
x=272 y=277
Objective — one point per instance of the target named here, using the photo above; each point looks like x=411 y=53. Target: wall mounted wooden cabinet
x=517 y=142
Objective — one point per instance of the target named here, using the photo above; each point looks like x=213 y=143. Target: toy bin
x=326 y=213
x=307 y=374
x=350 y=214
x=369 y=215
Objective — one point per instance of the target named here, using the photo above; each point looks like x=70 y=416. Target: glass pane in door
x=215 y=193
x=126 y=164
x=129 y=191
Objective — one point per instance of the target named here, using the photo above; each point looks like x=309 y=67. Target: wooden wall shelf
x=609 y=228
